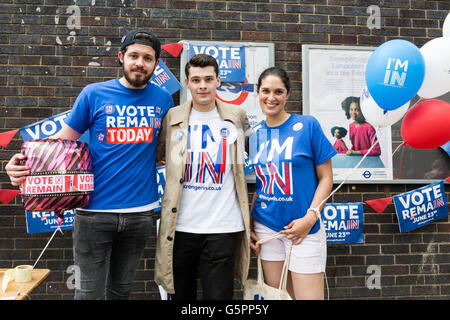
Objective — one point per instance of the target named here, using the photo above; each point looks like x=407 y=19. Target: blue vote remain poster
x=38 y=222
x=47 y=127
x=421 y=206
x=231 y=60
x=343 y=222
x=165 y=79
x=161 y=181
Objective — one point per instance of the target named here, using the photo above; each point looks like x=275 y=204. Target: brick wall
x=45 y=61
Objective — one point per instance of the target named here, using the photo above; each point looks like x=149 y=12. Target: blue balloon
x=394 y=73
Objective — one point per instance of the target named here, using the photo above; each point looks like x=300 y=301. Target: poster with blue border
x=421 y=206
x=38 y=222
x=231 y=60
x=248 y=165
x=48 y=127
x=161 y=181
x=343 y=222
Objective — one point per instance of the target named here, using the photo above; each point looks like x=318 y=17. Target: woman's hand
x=298 y=229
x=253 y=240
x=353 y=152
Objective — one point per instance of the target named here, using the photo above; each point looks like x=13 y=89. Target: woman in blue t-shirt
x=292 y=161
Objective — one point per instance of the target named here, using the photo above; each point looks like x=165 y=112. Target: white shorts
x=309 y=256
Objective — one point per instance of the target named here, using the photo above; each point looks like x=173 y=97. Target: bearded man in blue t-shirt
x=124 y=118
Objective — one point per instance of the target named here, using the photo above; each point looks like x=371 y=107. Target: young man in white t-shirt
x=205 y=213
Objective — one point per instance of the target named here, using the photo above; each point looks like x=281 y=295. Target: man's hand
x=17 y=172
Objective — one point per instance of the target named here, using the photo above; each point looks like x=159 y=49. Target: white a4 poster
x=333 y=81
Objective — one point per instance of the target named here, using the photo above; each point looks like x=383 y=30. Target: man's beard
x=137 y=81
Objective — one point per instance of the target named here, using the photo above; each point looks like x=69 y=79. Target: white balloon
x=436 y=54
x=446 y=27
x=375 y=115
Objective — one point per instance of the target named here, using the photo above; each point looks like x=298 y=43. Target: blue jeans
x=107 y=248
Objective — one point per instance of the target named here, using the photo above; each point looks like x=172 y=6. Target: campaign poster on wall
x=333 y=82
x=421 y=206
x=165 y=79
x=231 y=60
x=242 y=92
x=343 y=222
x=38 y=222
x=161 y=181
x=47 y=128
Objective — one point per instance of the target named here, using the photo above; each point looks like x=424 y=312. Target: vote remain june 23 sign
x=421 y=206
x=343 y=222
x=231 y=60
x=38 y=222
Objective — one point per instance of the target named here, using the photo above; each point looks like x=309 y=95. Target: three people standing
x=205 y=220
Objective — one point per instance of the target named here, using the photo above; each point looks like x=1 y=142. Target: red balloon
x=427 y=124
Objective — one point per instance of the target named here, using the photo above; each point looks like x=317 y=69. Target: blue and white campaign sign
x=421 y=206
x=231 y=60
x=446 y=147
x=343 y=222
x=246 y=59
x=165 y=79
x=248 y=165
x=161 y=181
x=48 y=127
x=38 y=222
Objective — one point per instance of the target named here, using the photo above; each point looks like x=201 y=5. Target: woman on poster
x=339 y=133
x=362 y=133
x=292 y=161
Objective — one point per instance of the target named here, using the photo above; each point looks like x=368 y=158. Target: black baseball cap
x=130 y=38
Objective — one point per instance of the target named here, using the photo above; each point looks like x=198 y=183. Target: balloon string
x=347 y=175
x=48 y=243
x=396 y=149
x=18 y=293
x=403 y=142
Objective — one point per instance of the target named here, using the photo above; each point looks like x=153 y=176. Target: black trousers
x=209 y=256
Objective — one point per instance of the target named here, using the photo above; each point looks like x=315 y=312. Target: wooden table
x=25 y=288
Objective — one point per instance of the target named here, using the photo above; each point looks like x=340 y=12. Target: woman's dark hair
x=202 y=60
x=346 y=107
x=342 y=131
x=275 y=71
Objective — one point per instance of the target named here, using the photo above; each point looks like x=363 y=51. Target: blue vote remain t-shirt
x=284 y=159
x=124 y=125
